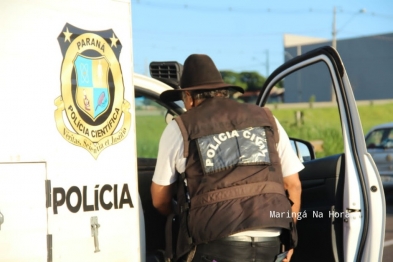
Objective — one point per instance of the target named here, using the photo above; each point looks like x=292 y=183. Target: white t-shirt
x=170 y=158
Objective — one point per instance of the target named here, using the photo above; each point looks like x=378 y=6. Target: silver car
x=379 y=142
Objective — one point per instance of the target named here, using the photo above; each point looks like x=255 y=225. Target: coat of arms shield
x=96 y=114
x=92 y=95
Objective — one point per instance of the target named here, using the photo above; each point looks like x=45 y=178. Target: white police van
x=68 y=171
x=72 y=187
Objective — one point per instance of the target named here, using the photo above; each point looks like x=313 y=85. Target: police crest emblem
x=92 y=90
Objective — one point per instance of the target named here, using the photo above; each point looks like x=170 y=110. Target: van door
x=342 y=194
x=23 y=223
x=151 y=115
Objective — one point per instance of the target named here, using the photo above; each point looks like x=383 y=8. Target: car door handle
x=94 y=232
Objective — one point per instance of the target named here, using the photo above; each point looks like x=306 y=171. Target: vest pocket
x=219 y=152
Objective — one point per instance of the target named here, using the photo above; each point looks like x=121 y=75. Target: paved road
x=388 y=249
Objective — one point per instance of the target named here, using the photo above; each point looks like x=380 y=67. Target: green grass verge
x=148 y=132
x=319 y=124
x=324 y=124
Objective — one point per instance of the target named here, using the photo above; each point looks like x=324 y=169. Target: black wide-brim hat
x=199 y=73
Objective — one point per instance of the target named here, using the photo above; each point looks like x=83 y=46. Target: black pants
x=238 y=251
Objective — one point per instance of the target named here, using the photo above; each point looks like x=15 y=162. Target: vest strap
x=269 y=114
x=184 y=133
x=247 y=190
x=169 y=236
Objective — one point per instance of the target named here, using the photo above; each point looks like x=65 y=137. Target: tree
x=233 y=78
x=253 y=80
x=250 y=81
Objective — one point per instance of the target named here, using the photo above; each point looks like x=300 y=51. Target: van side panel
x=67 y=101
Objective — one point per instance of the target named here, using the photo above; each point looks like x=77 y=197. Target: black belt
x=250 y=239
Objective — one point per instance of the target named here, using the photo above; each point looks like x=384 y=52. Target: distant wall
x=368 y=62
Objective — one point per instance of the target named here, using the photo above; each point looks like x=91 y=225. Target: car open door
x=346 y=186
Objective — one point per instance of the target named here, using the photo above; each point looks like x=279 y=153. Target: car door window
x=374 y=139
x=150 y=123
x=318 y=123
x=323 y=178
x=380 y=138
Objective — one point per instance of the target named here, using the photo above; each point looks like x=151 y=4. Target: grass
x=324 y=124
x=148 y=132
x=318 y=124
x=321 y=124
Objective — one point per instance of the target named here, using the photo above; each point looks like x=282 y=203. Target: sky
x=245 y=35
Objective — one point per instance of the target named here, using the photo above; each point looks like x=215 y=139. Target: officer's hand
x=289 y=255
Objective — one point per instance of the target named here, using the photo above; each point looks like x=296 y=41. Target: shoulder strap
x=169 y=236
x=269 y=114
x=184 y=133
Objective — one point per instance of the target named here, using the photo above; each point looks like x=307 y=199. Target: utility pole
x=334 y=36
x=334 y=45
x=267 y=63
x=334 y=31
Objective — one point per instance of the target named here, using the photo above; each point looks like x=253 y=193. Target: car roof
x=381 y=126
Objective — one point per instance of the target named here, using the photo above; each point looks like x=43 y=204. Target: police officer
x=232 y=170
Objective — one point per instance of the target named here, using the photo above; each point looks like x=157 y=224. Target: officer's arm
x=293 y=185
x=162 y=198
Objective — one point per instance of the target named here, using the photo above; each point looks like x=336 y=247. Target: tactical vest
x=233 y=180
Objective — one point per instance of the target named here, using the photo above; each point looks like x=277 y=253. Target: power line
x=159 y=32
x=258 y=11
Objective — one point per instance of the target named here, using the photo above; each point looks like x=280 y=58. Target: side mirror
x=303 y=149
